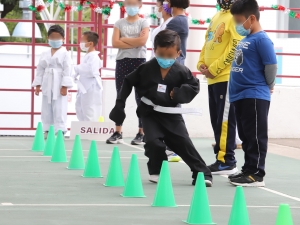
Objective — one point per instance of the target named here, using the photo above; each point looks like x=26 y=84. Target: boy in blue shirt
x=252 y=81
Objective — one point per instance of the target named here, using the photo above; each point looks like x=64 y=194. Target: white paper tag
x=162 y=88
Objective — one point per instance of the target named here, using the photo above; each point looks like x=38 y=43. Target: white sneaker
x=153 y=178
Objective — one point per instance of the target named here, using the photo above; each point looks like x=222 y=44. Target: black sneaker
x=248 y=180
x=219 y=168
x=208 y=183
x=116 y=138
x=236 y=175
x=138 y=140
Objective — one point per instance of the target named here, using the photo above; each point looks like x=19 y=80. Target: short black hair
x=180 y=3
x=245 y=8
x=92 y=37
x=167 y=39
x=56 y=29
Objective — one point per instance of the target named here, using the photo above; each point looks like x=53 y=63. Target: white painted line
x=263 y=188
x=126 y=205
x=6 y=204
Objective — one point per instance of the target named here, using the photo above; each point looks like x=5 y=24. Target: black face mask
x=225 y=4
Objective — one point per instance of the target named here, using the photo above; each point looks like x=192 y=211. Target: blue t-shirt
x=247 y=76
x=181 y=26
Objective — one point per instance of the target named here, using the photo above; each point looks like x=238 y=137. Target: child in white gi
x=89 y=96
x=53 y=74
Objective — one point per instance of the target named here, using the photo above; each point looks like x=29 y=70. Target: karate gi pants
x=89 y=105
x=55 y=113
x=169 y=129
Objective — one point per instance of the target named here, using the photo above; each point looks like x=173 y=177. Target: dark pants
x=169 y=129
x=252 y=123
x=123 y=68
x=180 y=60
x=223 y=122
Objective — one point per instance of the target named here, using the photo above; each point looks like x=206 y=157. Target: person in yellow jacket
x=215 y=60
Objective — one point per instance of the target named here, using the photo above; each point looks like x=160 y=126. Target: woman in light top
x=162 y=12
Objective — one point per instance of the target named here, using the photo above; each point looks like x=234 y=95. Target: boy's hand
x=37 y=90
x=208 y=74
x=202 y=67
x=272 y=90
x=63 y=91
x=171 y=94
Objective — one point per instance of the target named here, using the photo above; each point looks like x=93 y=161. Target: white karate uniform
x=52 y=73
x=89 y=96
x=157 y=30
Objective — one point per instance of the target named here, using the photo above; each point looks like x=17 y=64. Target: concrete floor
x=34 y=191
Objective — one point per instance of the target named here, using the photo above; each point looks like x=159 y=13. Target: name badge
x=162 y=88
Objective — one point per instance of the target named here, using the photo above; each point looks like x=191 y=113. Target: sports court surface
x=34 y=191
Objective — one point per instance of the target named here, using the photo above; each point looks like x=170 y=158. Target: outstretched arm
x=118 y=112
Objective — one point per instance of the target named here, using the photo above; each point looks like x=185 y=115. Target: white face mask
x=82 y=47
x=157 y=13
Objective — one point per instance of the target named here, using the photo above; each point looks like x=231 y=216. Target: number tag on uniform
x=162 y=88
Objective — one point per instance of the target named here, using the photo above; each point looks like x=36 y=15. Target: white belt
x=172 y=110
x=52 y=72
x=80 y=86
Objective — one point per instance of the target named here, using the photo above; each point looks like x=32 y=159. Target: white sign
x=97 y=131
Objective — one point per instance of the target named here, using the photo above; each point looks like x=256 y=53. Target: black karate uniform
x=162 y=129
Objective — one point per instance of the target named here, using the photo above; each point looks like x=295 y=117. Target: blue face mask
x=240 y=29
x=165 y=63
x=56 y=43
x=132 y=10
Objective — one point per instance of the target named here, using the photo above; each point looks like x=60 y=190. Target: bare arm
x=139 y=41
x=117 y=43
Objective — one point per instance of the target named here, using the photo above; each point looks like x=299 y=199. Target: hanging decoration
x=105 y=11
x=291 y=13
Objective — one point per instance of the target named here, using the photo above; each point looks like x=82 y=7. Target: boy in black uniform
x=163 y=83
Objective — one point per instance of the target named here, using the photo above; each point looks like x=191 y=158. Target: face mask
x=158 y=14
x=82 y=47
x=166 y=8
x=240 y=29
x=55 y=44
x=132 y=10
x=225 y=4
x=165 y=63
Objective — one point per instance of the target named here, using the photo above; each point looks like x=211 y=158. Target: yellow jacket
x=217 y=54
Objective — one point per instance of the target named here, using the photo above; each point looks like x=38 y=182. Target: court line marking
x=262 y=188
x=127 y=205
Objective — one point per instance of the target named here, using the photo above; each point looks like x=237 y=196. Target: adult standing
x=162 y=11
x=215 y=62
x=179 y=23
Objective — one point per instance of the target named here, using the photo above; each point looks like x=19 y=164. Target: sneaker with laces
x=116 y=138
x=138 y=140
x=172 y=157
x=154 y=178
x=236 y=175
x=219 y=168
x=248 y=180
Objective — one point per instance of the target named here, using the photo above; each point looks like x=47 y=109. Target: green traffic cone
x=239 y=212
x=133 y=187
x=284 y=216
x=199 y=210
x=164 y=196
x=92 y=168
x=76 y=160
x=50 y=143
x=38 y=142
x=59 y=152
x=115 y=173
